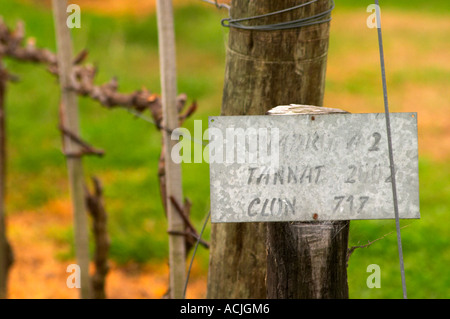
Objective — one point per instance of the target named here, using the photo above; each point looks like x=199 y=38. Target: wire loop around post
x=318 y=18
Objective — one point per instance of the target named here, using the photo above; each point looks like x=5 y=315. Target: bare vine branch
x=96 y=208
x=82 y=79
x=352 y=249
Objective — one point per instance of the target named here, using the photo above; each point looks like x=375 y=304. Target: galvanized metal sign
x=311 y=167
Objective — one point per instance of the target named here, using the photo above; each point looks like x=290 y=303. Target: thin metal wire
x=218 y=5
x=391 y=153
x=193 y=254
x=319 y=18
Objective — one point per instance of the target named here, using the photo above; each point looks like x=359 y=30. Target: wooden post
x=307 y=260
x=263 y=69
x=167 y=55
x=69 y=118
x=5 y=248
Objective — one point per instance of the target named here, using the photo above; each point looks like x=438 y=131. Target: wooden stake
x=177 y=250
x=69 y=118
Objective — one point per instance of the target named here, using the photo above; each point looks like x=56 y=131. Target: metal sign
x=311 y=167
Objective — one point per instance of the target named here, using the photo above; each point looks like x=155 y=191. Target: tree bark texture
x=263 y=69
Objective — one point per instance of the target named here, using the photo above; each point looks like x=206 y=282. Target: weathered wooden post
x=69 y=119
x=307 y=260
x=324 y=169
x=263 y=69
x=167 y=55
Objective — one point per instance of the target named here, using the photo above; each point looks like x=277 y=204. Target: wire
x=193 y=254
x=218 y=5
x=391 y=154
x=319 y=18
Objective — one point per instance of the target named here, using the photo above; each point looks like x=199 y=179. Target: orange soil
x=118 y=7
x=37 y=273
x=137 y=7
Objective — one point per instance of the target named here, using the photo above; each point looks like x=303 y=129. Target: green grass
x=425 y=245
x=434 y=6
x=127 y=47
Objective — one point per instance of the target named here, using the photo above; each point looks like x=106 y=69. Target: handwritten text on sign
x=305 y=167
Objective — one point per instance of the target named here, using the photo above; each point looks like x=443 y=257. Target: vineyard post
x=307 y=260
x=263 y=69
x=167 y=55
x=70 y=122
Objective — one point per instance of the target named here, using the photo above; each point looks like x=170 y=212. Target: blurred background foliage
x=123 y=42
